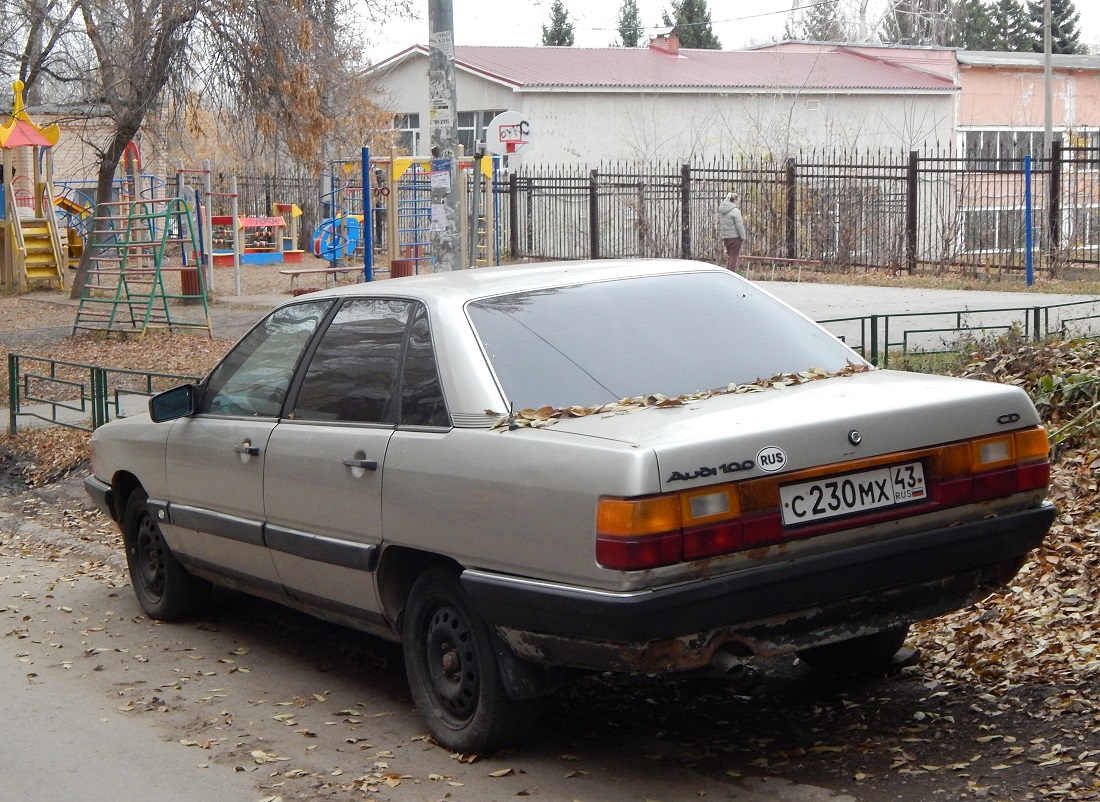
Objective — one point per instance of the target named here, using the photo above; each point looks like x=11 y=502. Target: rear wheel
x=867 y=653
x=164 y=588
x=454 y=674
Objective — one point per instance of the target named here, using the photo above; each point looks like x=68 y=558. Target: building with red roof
x=661 y=102
x=666 y=103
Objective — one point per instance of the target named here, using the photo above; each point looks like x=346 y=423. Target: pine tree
x=560 y=31
x=630 y=24
x=1064 y=34
x=692 y=17
x=1009 y=26
x=973 y=28
x=821 y=22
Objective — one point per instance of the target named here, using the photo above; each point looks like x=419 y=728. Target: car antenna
x=512 y=425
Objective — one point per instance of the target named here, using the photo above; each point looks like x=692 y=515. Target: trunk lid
x=822 y=422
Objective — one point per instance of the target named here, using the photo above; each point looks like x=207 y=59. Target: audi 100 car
x=638 y=466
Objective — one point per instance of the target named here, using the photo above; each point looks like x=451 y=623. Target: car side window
x=253 y=379
x=422 y=402
x=353 y=373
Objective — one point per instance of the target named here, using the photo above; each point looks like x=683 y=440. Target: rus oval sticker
x=771 y=459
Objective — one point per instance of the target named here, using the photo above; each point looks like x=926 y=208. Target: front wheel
x=865 y=654
x=454 y=674
x=164 y=588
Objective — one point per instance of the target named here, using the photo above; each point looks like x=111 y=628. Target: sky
x=737 y=23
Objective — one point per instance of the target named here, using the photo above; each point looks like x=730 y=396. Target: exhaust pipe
x=726 y=664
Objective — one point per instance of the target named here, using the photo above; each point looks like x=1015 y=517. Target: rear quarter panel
x=516 y=502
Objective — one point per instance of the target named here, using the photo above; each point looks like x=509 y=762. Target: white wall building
x=588 y=105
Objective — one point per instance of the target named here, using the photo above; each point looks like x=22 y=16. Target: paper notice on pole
x=439 y=217
x=440 y=115
x=440 y=175
x=444 y=42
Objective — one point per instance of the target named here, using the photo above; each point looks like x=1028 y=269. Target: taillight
x=638 y=533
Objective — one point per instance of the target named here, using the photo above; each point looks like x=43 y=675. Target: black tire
x=454 y=675
x=164 y=588
x=862 y=655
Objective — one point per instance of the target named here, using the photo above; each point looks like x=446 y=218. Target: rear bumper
x=898 y=580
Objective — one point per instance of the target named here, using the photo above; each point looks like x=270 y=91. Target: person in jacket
x=731 y=228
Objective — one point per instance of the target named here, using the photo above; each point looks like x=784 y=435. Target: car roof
x=459 y=286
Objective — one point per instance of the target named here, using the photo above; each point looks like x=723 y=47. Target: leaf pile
x=44 y=455
x=1044 y=629
x=548 y=416
x=1063 y=378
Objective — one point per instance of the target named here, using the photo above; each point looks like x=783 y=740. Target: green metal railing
x=74 y=394
x=876 y=337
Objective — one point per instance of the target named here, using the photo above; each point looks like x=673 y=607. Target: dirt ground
x=947 y=728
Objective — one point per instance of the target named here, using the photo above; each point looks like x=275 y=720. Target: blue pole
x=1027 y=219
x=368 y=220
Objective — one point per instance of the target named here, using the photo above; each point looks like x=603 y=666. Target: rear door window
x=422 y=402
x=353 y=374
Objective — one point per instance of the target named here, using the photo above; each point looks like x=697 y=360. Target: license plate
x=831 y=496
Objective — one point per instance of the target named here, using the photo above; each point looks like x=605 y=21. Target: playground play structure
x=31 y=247
x=256 y=240
x=374 y=211
x=131 y=244
x=381 y=209
x=128 y=240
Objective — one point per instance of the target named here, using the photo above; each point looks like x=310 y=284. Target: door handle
x=365 y=464
x=247 y=449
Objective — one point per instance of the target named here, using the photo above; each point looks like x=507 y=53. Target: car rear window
x=674 y=334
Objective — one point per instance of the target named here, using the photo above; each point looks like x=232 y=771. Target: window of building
x=471 y=127
x=408 y=133
x=1000 y=150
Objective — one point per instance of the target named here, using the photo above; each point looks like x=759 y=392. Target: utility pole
x=1048 y=129
x=1048 y=88
x=443 y=121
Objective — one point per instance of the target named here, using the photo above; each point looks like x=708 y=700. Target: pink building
x=999 y=105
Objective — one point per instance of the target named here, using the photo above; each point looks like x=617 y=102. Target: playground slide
x=329 y=241
x=71 y=207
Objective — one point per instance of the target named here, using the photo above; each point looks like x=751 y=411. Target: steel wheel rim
x=452 y=662
x=150 y=551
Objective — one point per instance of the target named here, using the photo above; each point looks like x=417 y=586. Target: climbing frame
x=128 y=258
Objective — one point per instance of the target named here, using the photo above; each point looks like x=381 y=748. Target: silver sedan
x=632 y=466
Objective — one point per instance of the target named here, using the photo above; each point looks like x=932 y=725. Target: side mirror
x=178 y=402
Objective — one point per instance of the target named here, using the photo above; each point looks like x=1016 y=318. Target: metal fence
x=77 y=395
x=894 y=211
x=85 y=397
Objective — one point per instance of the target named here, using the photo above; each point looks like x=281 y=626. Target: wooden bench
x=296 y=272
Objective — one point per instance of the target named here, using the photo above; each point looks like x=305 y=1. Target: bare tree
x=30 y=33
x=274 y=63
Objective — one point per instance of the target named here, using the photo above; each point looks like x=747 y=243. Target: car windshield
x=673 y=334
